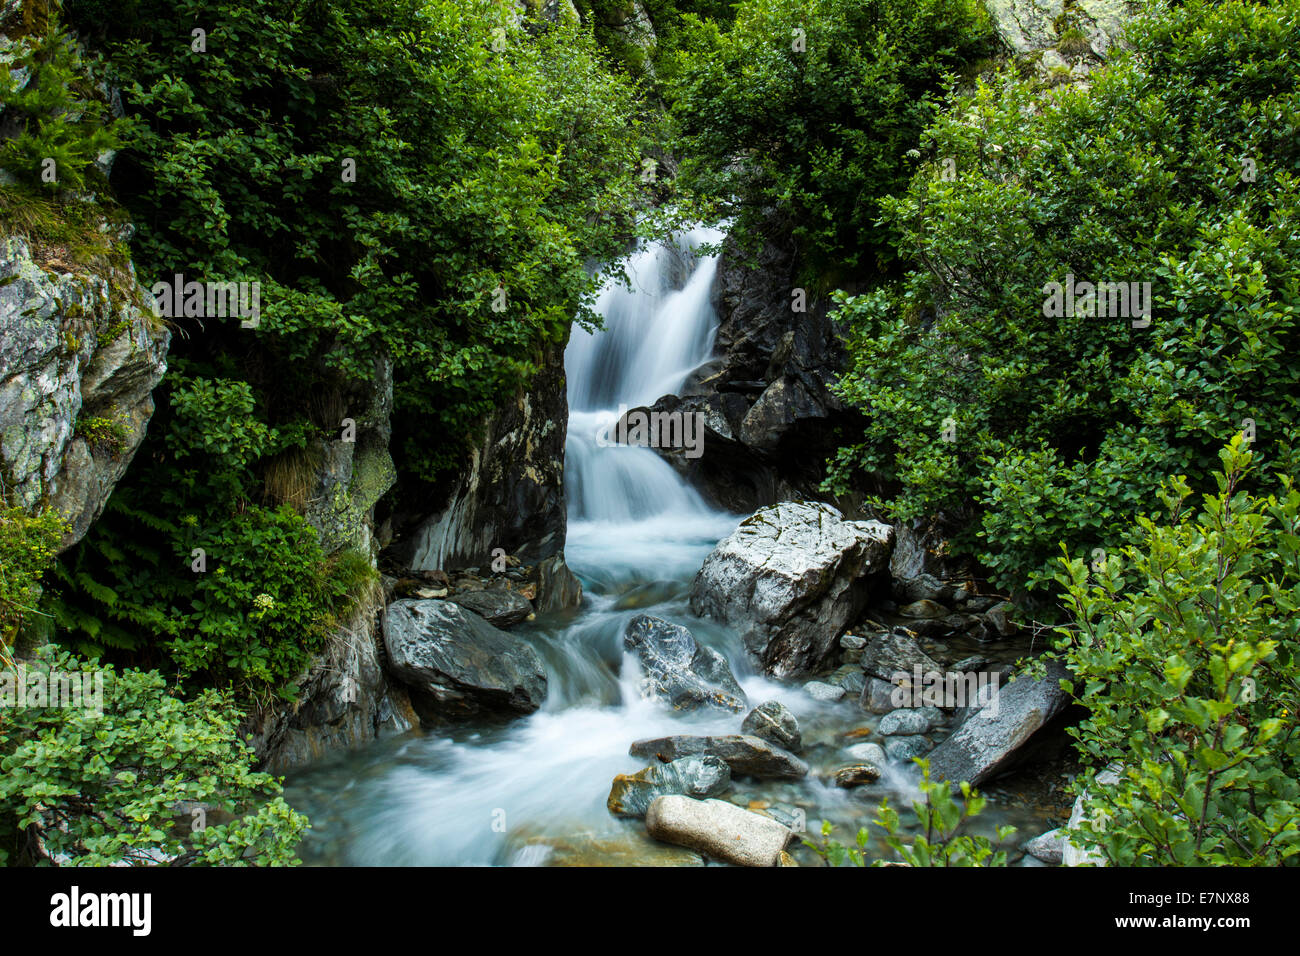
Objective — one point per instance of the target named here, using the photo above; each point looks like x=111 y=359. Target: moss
x=1073 y=44
x=104 y=434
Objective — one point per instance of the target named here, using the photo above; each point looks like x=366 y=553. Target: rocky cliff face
x=771 y=417
x=511 y=494
x=79 y=357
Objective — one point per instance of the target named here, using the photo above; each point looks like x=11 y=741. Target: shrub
x=820 y=134
x=1187 y=648
x=82 y=789
x=59 y=114
x=939 y=818
x=28 y=545
x=1061 y=426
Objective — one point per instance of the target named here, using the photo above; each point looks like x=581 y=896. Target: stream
x=532 y=791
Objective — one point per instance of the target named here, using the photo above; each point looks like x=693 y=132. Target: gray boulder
x=694 y=776
x=80 y=354
x=906 y=721
x=745 y=754
x=498 y=606
x=457 y=665
x=906 y=747
x=719 y=830
x=896 y=652
x=789 y=579
x=988 y=739
x=773 y=722
x=1047 y=847
x=678 y=669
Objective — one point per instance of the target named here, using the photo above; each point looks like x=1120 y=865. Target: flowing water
x=533 y=790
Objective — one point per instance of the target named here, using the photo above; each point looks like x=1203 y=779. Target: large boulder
x=789 y=579
x=719 y=830
x=988 y=740
x=500 y=607
x=745 y=754
x=680 y=670
x=80 y=354
x=693 y=776
x=457 y=665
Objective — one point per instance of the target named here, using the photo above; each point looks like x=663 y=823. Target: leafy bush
x=1187 y=649
x=1028 y=429
x=28 y=545
x=821 y=134
x=58 y=113
x=98 y=790
x=940 y=819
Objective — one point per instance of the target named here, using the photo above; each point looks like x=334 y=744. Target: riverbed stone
x=500 y=607
x=1048 y=846
x=986 y=742
x=678 y=669
x=457 y=665
x=746 y=754
x=772 y=721
x=877 y=696
x=905 y=748
x=699 y=776
x=896 y=652
x=719 y=830
x=789 y=579
x=870 y=753
x=823 y=692
x=856 y=775
x=907 y=720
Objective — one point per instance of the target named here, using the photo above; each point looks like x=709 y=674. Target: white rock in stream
x=789 y=579
x=720 y=830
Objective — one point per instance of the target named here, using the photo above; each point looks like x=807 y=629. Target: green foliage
x=107 y=789
x=1188 y=649
x=474 y=170
x=59 y=114
x=938 y=842
x=28 y=545
x=109 y=434
x=822 y=135
x=1063 y=426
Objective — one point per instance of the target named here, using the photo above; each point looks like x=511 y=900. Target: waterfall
x=657 y=331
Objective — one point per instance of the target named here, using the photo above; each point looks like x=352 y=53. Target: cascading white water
x=516 y=794
x=657 y=331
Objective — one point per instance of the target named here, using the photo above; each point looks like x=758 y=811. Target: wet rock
x=586 y=848
x=1048 y=846
x=773 y=722
x=926 y=587
x=457 y=665
x=498 y=606
x=746 y=754
x=872 y=754
x=906 y=721
x=970 y=664
x=1072 y=855
x=850 y=677
x=789 y=579
x=851 y=648
x=694 y=776
x=825 y=693
x=905 y=748
x=719 y=830
x=678 y=669
x=988 y=739
x=894 y=653
x=998 y=619
x=924 y=610
x=856 y=776
x=877 y=696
